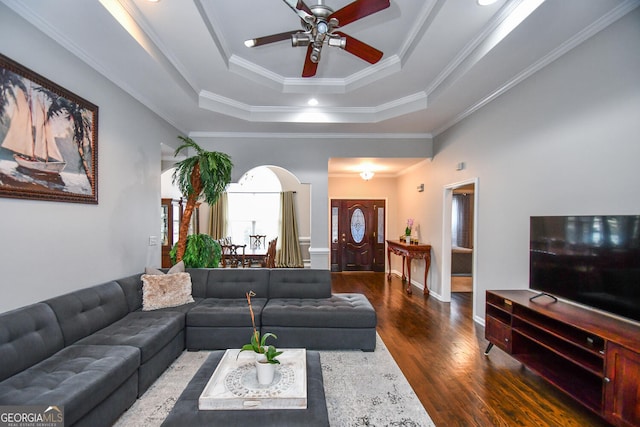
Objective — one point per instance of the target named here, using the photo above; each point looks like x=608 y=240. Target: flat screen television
x=591 y=260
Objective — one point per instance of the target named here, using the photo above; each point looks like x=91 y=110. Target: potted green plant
x=265 y=355
x=205 y=175
x=202 y=251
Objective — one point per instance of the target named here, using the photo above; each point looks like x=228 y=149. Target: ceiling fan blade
x=260 y=41
x=301 y=9
x=361 y=49
x=310 y=67
x=358 y=9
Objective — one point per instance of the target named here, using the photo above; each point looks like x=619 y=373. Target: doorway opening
x=357 y=235
x=462 y=207
x=459 y=252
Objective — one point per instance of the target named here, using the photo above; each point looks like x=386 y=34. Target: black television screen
x=592 y=260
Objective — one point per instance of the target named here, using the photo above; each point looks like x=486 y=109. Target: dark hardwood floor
x=440 y=349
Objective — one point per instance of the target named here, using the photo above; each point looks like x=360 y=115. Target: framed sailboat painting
x=48 y=139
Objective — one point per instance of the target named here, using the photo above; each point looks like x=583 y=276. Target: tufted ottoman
x=342 y=321
x=186 y=412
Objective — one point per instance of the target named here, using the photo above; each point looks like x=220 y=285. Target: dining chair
x=234 y=256
x=270 y=260
x=257 y=241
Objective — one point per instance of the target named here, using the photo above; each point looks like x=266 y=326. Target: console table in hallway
x=409 y=251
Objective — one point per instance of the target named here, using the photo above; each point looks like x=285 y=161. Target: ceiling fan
x=319 y=23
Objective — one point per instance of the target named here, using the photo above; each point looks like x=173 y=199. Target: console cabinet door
x=622 y=386
x=498 y=333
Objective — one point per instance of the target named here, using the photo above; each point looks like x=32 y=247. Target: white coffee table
x=234 y=384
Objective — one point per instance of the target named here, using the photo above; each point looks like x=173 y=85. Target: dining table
x=242 y=255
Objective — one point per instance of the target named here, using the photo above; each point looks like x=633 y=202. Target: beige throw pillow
x=178 y=268
x=168 y=290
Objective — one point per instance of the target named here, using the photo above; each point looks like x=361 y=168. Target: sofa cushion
x=178 y=268
x=299 y=283
x=27 y=336
x=78 y=377
x=199 y=278
x=132 y=288
x=168 y=290
x=215 y=312
x=338 y=311
x=235 y=283
x=147 y=331
x=81 y=313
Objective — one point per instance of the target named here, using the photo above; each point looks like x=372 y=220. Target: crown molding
x=472 y=53
x=211 y=26
x=595 y=27
x=24 y=10
x=308 y=135
x=254 y=72
x=290 y=114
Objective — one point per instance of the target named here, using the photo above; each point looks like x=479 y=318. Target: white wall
x=565 y=141
x=48 y=248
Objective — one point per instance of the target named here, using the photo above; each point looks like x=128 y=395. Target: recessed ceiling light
x=486 y=2
x=312 y=102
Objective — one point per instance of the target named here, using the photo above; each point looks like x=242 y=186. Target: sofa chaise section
x=303 y=312
x=100 y=315
x=94 y=383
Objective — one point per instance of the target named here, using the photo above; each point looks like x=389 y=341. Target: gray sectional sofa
x=94 y=350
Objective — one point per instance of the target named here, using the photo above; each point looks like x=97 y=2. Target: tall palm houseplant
x=204 y=175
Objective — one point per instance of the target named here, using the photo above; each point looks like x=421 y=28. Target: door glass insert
x=334 y=224
x=357 y=225
x=380 y=225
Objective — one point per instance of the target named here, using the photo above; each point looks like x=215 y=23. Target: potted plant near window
x=205 y=175
x=265 y=355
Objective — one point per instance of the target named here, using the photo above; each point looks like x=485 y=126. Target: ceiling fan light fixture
x=312 y=102
x=322 y=27
x=319 y=25
x=486 y=2
x=300 y=39
x=340 y=42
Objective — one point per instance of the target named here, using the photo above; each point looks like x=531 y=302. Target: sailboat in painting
x=30 y=137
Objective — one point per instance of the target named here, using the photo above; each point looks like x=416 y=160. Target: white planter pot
x=408 y=239
x=265 y=370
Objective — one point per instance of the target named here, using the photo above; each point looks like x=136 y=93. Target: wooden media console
x=592 y=357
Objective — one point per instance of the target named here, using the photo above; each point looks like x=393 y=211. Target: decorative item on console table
x=407 y=230
x=265 y=355
x=409 y=251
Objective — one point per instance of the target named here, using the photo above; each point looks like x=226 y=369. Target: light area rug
x=361 y=389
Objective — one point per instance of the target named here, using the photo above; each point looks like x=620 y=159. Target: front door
x=357 y=235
